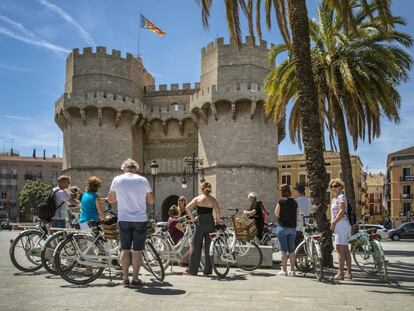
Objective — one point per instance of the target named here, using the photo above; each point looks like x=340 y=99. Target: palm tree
x=293 y=23
x=356 y=73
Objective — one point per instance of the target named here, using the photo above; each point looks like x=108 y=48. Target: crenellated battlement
x=219 y=43
x=101 y=51
x=174 y=87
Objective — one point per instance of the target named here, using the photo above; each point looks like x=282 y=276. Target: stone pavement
x=260 y=290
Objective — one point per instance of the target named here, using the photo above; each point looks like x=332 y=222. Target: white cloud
x=27 y=36
x=22 y=118
x=86 y=36
x=14 y=68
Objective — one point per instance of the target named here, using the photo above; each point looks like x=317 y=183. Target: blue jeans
x=58 y=223
x=286 y=237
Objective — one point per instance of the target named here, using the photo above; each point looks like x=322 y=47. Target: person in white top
x=132 y=192
x=341 y=228
x=304 y=208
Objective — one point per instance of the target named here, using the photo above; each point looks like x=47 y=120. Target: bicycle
x=25 y=249
x=270 y=237
x=308 y=254
x=367 y=251
x=81 y=258
x=226 y=249
x=169 y=251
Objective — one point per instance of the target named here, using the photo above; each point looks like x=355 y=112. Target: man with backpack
x=257 y=212
x=61 y=201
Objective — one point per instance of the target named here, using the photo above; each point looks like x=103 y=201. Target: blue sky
x=36 y=36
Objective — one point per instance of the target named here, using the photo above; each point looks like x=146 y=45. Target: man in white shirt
x=132 y=192
x=304 y=208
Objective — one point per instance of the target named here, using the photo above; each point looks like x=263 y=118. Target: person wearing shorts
x=132 y=192
x=286 y=213
x=341 y=228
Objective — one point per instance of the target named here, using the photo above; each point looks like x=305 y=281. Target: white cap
x=252 y=195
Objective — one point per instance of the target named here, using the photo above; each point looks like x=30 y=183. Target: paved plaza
x=260 y=290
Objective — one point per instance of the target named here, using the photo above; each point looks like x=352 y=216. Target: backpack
x=351 y=215
x=265 y=213
x=47 y=209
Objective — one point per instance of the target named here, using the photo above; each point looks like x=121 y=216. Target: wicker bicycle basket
x=111 y=232
x=151 y=227
x=245 y=229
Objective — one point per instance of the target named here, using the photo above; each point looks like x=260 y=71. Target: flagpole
x=139 y=31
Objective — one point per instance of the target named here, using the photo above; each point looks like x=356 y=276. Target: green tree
x=293 y=23
x=32 y=194
x=356 y=73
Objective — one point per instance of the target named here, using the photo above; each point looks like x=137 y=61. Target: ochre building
x=111 y=110
x=399 y=186
x=292 y=170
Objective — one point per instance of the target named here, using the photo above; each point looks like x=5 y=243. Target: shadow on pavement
x=30 y=273
x=159 y=291
x=392 y=253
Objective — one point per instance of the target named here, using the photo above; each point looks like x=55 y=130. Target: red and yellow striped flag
x=145 y=23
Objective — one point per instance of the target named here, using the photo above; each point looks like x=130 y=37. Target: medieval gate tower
x=111 y=110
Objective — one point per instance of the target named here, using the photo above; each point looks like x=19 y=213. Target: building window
x=286 y=179
x=406 y=171
x=406 y=189
x=3 y=195
x=371 y=209
x=406 y=208
x=302 y=179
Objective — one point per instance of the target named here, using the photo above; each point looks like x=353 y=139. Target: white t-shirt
x=305 y=208
x=131 y=192
x=341 y=198
x=61 y=197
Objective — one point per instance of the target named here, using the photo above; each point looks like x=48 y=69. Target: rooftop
x=30 y=159
x=301 y=156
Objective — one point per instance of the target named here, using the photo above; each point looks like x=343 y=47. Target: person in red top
x=174 y=224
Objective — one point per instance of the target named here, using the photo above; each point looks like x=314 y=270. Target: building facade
x=375 y=208
x=15 y=170
x=399 y=186
x=292 y=170
x=111 y=110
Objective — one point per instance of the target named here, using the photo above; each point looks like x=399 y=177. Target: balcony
x=406 y=196
x=407 y=178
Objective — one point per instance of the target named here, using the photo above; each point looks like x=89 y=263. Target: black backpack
x=351 y=215
x=47 y=209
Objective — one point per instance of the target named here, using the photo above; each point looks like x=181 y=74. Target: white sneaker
x=284 y=273
x=292 y=273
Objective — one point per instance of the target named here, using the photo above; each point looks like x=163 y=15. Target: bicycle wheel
x=48 y=248
x=317 y=261
x=303 y=262
x=217 y=250
x=163 y=248
x=249 y=255
x=152 y=262
x=71 y=252
x=363 y=254
x=25 y=250
x=380 y=259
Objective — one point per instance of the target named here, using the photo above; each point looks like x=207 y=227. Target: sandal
x=348 y=276
x=337 y=277
x=125 y=283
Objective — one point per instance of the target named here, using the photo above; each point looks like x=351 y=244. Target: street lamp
x=154 y=172
x=194 y=165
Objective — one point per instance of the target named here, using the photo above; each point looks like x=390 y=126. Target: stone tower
x=111 y=110
x=101 y=113
x=236 y=139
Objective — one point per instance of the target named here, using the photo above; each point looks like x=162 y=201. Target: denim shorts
x=132 y=234
x=286 y=237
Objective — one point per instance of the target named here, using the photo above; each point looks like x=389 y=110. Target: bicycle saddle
x=93 y=223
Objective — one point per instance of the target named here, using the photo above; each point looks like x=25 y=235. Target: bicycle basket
x=151 y=227
x=245 y=229
x=111 y=232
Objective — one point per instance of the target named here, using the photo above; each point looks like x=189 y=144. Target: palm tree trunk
x=310 y=122
x=344 y=153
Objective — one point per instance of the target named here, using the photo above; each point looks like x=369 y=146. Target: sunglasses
x=180 y=200
x=335 y=186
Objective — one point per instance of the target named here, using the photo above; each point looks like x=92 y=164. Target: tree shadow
x=263 y=274
x=394 y=253
x=159 y=291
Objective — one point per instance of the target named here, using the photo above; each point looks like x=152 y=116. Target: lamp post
x=154 y=172
x=194 y=165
